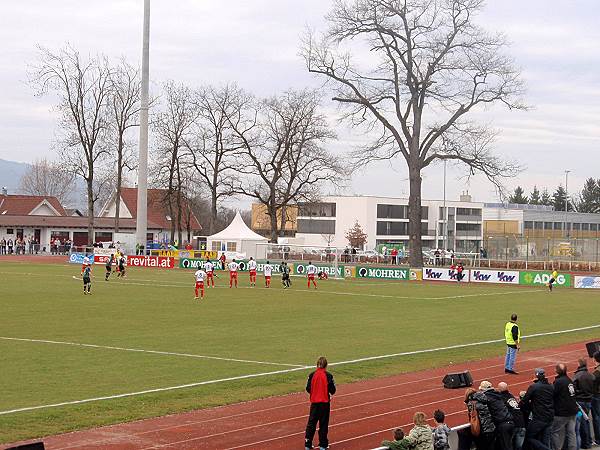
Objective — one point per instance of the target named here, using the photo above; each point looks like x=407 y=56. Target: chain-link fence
x=541 y=249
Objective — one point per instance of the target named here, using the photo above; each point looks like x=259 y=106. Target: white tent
x=238 y=238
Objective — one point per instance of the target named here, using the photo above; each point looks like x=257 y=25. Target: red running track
x=363 y=413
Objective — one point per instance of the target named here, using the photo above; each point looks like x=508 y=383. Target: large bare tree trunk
x=90 y=204
x=414 y=218
x=119 y=182
x=273 y=218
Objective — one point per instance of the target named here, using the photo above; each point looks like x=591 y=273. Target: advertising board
x=77 y=258
x=542 y=279
x=387 y=273
x=300 y=269
x=586 y=282
x=160 y=262
x=433 y=274
x=494 y=276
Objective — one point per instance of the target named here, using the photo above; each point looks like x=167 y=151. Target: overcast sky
x=255 y=43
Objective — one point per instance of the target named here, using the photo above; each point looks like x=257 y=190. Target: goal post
x=327 y=258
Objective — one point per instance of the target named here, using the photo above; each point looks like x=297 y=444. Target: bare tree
x=172 y=126
x=213 y=149
x=82 y=86
x=429 y=67
x=124 y=104
x=286 y=163
x=45 y=177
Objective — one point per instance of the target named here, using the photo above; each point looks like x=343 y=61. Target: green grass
x=155 y=310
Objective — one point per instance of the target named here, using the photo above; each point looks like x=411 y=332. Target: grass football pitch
x=146 y=336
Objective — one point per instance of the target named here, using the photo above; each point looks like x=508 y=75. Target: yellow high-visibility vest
x=508 y=334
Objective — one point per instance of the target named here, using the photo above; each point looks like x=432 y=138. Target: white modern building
x=451 y=224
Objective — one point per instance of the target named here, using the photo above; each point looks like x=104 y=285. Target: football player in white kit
x=233 y=270
x=200 y=276
x=252 y=269
x=311 y=271
x=268 y=270
x=209 y=268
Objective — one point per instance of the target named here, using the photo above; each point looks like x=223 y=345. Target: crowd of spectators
x=19 y=246
x=557 y=415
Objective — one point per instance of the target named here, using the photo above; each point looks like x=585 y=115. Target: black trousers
x=504 y=436
x=319 y=412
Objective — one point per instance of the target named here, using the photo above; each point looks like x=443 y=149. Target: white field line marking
x=303 y=404
x=154 y=352
x=283 y=371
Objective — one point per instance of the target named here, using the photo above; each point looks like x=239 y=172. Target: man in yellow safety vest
x=512 y=334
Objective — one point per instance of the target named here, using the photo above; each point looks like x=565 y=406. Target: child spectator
x=441 y=431
x=420 y=437
x=399 y=443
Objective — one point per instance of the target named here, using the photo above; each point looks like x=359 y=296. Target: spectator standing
x=441 y=431
x=477 y=405
x=437 y=255
x=539 y=400
x=3 y=246
x=321 y=386
x=420 y=437
x=583 y=381
x=596 y=399
x=399 y=443
x=9 y=246
x=512 y=335
x=500 y=415
x=222 y=259
x=394 y=254
x=565 y=411
x=513 y=407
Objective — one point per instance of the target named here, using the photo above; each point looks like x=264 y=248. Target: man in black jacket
x=565 y=411
x=500 y=415
x=517 y=415
x=583 y=381
x=596 y=399
x=539 y=399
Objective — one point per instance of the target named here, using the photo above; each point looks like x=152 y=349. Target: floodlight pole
x=444 y=225
x=566 y=201
x=141 y=227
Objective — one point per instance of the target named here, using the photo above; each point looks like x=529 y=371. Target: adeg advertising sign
x=160 y=262
x=495 y=276
x=542 y=279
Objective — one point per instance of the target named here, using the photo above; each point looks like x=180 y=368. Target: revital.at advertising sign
x=77 y=258
x=388 y=273
x=300 y=269
x=542 y=279
x=160 y=262
x=430 y=274
x=587 y=282
x=495 y=276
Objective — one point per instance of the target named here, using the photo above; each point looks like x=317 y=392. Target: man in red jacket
x=321 y=387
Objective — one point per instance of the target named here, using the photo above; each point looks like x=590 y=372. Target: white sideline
x=155 y=352
x=283 y=371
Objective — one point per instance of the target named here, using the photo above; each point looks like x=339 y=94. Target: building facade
x=451 y=224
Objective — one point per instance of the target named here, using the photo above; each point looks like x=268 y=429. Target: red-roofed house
x=30 y=205
x=158 y=213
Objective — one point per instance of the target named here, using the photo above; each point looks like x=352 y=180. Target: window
x=538 y=225
x=10 y=231
x=473 y=227
x=62 y=235
x=475 y=212
x=232 y=246
x=316 y=209
x=310 y=226
x=558 y=225
x=528 y=225
x=547 y=225
x=216 y=246
x=392 y=212
x=104 y=236
x=594 y=226
x=576 y=226
x=585 y=226
x=392 y=228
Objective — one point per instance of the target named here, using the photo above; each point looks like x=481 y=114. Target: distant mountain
x=10 y=178
x=10 y=175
